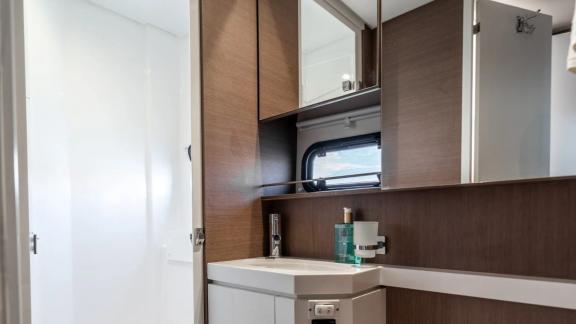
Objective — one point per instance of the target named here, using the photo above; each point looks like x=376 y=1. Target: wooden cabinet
x=422 y=96
x=278 y=57
x=312 y=52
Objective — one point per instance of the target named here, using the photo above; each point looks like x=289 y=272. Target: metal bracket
x=476 y=29
x=380 y=246
x=198 y=238
x=34 y=243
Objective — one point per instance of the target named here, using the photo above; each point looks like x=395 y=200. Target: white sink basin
x=297 y=266
x=295 y=277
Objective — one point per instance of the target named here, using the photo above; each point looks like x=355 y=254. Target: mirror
x=524 y=108
x=338 y=48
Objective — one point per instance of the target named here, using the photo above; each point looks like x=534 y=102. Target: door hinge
x=198 y=238
x=34 y=243
x=476 y=28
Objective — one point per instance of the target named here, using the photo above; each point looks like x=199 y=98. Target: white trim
x=467 y=93
x=518 y=289
x=300 y=85
x=196 y=141
x=341 y=12
x=475 y=101
x=15 y=284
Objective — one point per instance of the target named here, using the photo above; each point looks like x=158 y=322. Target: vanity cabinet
x=231 y=305
x=235 y=305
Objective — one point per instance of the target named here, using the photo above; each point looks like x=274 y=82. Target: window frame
x=331 y=146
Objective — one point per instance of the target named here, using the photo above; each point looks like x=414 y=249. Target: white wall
x=110 y=188
x=563 y=136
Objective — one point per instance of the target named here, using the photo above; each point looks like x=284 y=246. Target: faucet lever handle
x=275 y=236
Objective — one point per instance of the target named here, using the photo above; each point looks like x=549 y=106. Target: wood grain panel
x=421 y=96
x=232 y=213
x=278 y=57
x=520 y=229
x=369 y=57
x=417 y=307
x=278 y=154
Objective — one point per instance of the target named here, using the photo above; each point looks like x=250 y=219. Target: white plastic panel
x=285 y=310
x=230 y=305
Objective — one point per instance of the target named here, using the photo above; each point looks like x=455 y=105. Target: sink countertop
x=302 y=277
x=296 y=277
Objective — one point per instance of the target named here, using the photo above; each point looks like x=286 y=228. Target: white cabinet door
x=235 y=306
x=285 y=311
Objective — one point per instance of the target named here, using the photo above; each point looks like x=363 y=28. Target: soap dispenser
x=344 y=240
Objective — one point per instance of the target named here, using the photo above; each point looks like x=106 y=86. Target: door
x=114 y=191
x=512 y=115
x=232 y=305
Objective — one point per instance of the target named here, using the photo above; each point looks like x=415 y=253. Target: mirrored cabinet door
x=338 y=48
x=313 y=51
x=525 y=100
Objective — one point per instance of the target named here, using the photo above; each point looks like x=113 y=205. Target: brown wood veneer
x=278 y=57
x=418 y=307
x=422 y=96
x=232 y=214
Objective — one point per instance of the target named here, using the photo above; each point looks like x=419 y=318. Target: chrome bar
x=320 y=179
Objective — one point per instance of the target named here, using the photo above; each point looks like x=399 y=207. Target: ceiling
x=169 y=15
x=561 y=10
x=390 y=8
x=172 y=15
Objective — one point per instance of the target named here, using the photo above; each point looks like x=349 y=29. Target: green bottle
x=344 y=240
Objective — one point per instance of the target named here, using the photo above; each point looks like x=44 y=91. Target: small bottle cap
x=347 y=215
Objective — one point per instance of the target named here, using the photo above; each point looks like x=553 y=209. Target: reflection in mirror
x=338 y=48
x=394 y=8
x=525 y=103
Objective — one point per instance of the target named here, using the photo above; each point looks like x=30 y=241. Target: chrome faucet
x=275 y=237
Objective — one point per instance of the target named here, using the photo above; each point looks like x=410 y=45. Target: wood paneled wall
x=370 y=61
x=232 y=213
x=422 y=96
x=519 y=229
x=418 y=307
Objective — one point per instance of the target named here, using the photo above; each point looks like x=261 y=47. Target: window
x=343 y=157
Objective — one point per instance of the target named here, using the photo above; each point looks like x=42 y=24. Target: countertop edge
x=546 y=292
x=518 y=289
